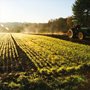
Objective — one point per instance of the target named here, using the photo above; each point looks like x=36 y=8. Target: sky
x=34 y=10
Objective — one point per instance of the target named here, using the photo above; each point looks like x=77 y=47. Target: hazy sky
x=34 y=10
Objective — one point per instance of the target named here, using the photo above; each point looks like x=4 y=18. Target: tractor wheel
x=71 y=34
x=81 y=35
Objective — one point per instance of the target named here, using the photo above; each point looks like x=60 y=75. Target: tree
x=70 y=22
x=81 y=11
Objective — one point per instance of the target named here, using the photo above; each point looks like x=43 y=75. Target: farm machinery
x=78 y=32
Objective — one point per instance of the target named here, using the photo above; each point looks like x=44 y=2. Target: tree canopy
x=81 y=11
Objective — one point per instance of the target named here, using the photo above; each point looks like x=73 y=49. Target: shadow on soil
x=26 y=82
x=25 y=63
x=65 y=37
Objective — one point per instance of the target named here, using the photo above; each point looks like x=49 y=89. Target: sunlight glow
x=34 y=10
x=4 y=12
x=1 y=25
x=7 y=28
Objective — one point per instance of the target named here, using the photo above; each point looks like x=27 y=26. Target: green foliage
x=58 y=25
x=81 y=10
x=42 y=63
x=13 y=85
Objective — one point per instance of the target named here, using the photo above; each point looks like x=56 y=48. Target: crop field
x=35 y=62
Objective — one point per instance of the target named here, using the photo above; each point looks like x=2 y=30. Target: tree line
x=53 y=26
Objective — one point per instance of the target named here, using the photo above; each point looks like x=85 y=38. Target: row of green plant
x=55 y=58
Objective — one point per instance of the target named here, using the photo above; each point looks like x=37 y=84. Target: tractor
x=78 y=32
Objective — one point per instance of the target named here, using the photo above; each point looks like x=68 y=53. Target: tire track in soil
x=25 y=63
